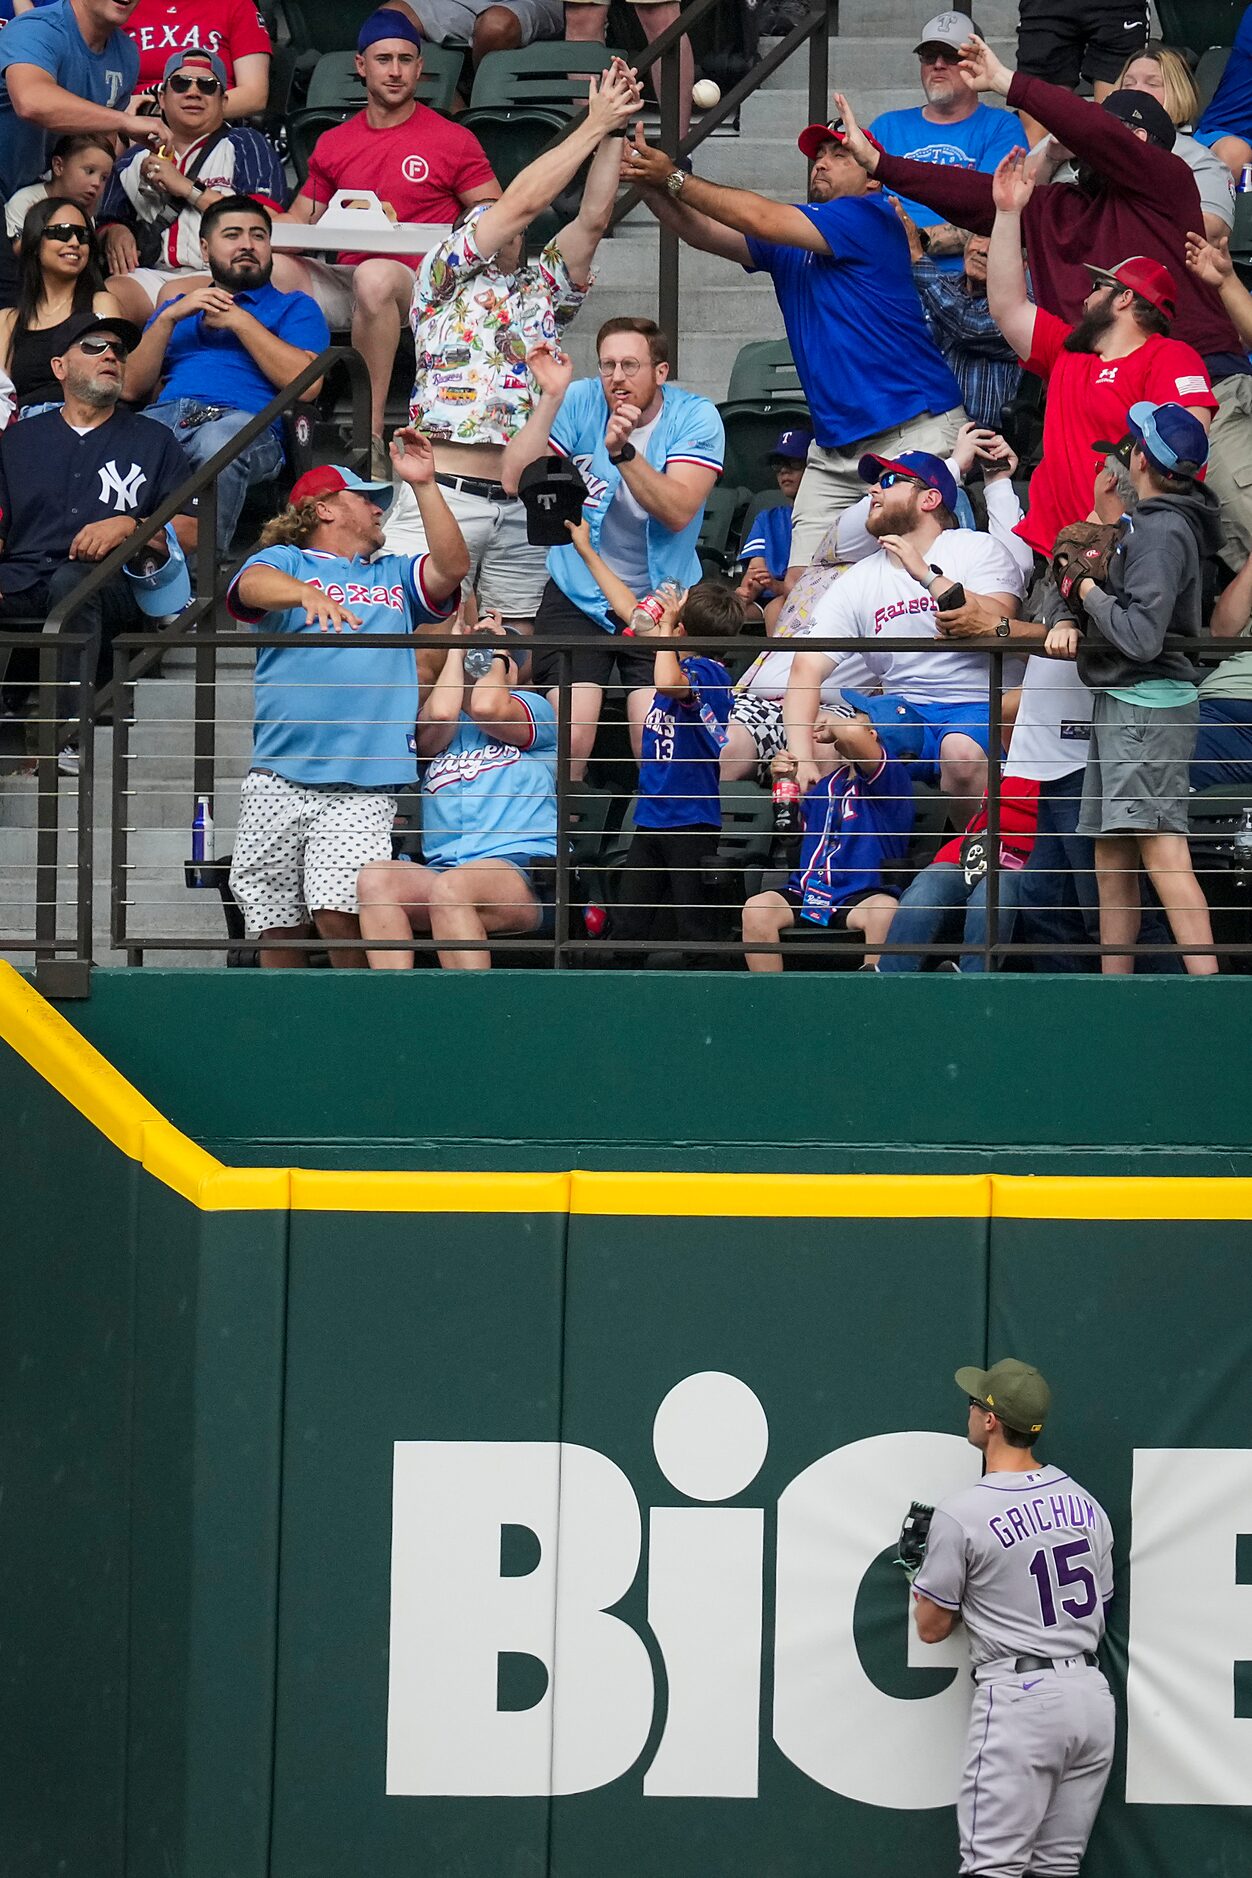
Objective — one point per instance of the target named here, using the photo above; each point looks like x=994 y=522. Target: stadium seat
x=551 y=73
x=764 y=397
x=714 y=546
x=324 y=25
x=757 y=504
x=1208 y=75
x=1199 y=23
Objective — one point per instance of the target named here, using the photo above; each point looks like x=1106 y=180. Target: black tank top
x=31 y=366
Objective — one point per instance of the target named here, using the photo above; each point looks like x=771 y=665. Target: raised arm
x=740 y=209
x=1009 y=303
x=611 y=585
x=1210 y=262
x=697 y=231
x=579 y=239
x=962 y=197
x=447 y=559
x=552 y=371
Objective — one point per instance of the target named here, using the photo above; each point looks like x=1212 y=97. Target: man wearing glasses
x=150 y=214
x=953 y=126
x=649 y=454
x=77 y=481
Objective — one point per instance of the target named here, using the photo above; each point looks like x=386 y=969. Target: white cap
x=948 y=29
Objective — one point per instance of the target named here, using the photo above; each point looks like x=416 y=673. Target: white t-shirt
x=877 y=601
x=769 y=675
x=1053 y=727
x=18 y=206
x=623 y=533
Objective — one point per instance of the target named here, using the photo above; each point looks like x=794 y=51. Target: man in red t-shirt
x=1119 y=354
x=232 y=28
x=421 y=166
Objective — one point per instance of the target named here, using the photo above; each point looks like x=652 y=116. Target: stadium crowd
x=1024 y=349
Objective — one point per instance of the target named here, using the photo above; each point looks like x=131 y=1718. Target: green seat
x=764 y=371
x=713 y=545
x=323 y=25
x=512 y=139
x=764 y=396
x=1208 y=75
x=1199 y=23
x=747 y=826
x=303 y=130
x=1219 y=802
x=552 y=73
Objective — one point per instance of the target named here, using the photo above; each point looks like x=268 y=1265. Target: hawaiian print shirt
x=472 y=328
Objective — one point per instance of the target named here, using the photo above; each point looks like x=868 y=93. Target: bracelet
x=500 y=655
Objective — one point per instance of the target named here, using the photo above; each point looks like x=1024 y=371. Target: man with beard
x=223 y=351
x=953 y=127
x=875 y=381
x=1119 y=354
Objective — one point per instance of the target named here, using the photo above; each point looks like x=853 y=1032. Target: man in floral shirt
x=478 y=307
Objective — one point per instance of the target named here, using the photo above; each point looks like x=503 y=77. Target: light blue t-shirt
x=325 y=710
x=858 y=335
x=49 y=38
x=486 y=801
x=978 y=142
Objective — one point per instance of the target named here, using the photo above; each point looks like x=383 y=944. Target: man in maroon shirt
x=1132 y=197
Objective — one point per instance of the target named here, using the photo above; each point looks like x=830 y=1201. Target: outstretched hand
x=613 y=96
x=981 y=69
x=1013 y=183
x=412 y=457
x=1210 y=261
x=857 y=144
x=645 y=167
x=551 y=369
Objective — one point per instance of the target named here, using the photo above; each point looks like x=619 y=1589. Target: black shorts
x=1065 y=40
x=838 y=921
x=592 y=663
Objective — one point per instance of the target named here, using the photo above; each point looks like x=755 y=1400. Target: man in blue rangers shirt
x=954 y=126
x=333 y=737
x=488 y=813
x=64 y=68
x=874 y=379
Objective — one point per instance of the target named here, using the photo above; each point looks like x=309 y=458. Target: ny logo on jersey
x=118 y=488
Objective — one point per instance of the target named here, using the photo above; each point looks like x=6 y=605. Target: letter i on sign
x=705 y=1589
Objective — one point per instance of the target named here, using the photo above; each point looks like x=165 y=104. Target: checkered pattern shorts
x=762 y=718
x=299 y=848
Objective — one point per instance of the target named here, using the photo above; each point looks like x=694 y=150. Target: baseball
x=705 y=94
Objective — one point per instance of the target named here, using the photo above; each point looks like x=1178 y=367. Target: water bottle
x=1245 y=179
x=647 y=615
x=478 y=661
x=787 y=819
x=202 y=847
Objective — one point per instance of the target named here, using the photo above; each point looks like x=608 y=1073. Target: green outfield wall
x=374 y=1521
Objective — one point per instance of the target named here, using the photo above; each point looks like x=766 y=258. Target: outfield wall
x=540 y=1523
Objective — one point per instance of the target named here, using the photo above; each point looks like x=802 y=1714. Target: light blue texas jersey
x=328 y=710
x=487 y=801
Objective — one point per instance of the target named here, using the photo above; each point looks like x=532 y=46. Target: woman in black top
x=58 y=276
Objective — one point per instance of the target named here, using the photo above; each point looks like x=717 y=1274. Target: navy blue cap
x=899 y=729
x=793 y=445
x=387 y=23
x=931 y=471
x=1173 y=438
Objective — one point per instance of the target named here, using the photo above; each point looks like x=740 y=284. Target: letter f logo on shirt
x=120 y=489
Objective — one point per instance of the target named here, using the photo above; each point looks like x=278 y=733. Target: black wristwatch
x=626 y=454
x=923 y=240
x=1004 y=628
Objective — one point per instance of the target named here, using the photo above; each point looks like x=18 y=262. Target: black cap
x=83 y=324
x=552 y=493
x=1142 y=111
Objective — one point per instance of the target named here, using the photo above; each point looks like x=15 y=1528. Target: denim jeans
x=261 y=460
x=936 y=904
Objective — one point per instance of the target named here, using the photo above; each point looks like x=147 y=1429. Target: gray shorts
x=447 y=21
x=1136 y=780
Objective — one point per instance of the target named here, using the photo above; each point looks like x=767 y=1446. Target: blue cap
x=929 y=470
x=793 y=445
x=1173 y=438
x=899 y=729
x=164 y=590
x=387 y=23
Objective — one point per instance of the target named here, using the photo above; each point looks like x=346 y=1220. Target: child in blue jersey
x=488 y=814
x=857 y=819
x=766 y=548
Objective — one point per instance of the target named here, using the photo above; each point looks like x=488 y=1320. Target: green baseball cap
x=1012 y=1390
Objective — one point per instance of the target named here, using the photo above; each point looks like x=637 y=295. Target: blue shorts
x=941 y=720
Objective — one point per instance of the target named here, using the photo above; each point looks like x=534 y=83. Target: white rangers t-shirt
x=1052 y=732
x=877 y=601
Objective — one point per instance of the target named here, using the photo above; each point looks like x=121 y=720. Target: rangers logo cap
x=331 y=479
x=1013 y=1391
x=948 y=29
x=1150 y=279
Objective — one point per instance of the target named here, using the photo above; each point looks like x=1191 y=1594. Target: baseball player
x=1025 y=1559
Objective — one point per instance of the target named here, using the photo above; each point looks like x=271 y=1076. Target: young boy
x=766 y=552
x=1144 y=707
x=857 y=818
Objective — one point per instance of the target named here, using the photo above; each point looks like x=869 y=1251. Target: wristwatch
x=923 y=240
x=626 y=454
x=1004 y=628
x=674 y=182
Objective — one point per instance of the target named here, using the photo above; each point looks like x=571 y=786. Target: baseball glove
x=1083 y=551
x=914 y=1533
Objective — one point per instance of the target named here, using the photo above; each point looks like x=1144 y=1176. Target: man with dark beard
x=225 y=349
x=1118 y=354
x=875 y=381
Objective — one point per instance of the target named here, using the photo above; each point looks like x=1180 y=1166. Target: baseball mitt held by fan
x=914 y=1534
x=1083 y=551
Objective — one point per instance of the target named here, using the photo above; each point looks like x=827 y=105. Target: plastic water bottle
x=202 y=844
x=649 y=612
x=1245 y=179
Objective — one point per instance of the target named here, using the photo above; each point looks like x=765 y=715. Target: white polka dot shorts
x=299 y=849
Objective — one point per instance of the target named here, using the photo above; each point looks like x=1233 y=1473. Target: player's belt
x=1029 y=1665
x=475 y=486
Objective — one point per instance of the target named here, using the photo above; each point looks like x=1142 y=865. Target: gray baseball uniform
x=1027 y=1559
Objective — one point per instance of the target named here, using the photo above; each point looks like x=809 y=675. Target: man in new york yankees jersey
x=1025 y=1560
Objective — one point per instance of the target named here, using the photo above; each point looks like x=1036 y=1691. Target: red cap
x=1151 y=280
x=328 y=479
x=813 y=136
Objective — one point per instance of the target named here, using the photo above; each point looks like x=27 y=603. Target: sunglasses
x=67 y=231
x=205 y=86
x=890 y=478
x=96 y=348
x=980 y=1406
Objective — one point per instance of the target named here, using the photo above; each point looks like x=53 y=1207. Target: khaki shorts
x=832 y=482
x=330 y=285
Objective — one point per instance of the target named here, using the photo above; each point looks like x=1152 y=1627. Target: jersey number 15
x=1054 y=1569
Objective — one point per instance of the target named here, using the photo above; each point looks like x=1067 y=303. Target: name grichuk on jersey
x=1028 y=1561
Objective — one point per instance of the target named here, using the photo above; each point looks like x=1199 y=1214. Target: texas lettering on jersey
x=359 y=593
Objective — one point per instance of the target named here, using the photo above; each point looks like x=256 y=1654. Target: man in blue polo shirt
x=65 y=67
x=954 y=126
x=875 y=381
x=649 y=453
x=222 y=351
x=334 y=734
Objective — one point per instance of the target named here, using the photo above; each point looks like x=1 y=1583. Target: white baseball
x=705 y=94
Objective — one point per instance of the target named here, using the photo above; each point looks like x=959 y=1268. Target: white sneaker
x=68 y=760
